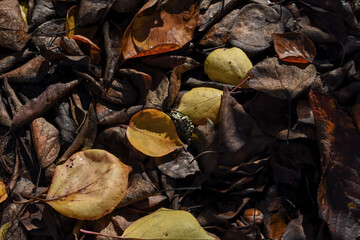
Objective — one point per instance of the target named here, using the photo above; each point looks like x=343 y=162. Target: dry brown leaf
x=160 y=27
x=46 y=141
x=281 y=80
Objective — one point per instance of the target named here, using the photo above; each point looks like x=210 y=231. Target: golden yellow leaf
x=3 y=194
x=3 y=230
x=153 y=133
x=88 y=185
x=228 y=66
x=167 y=224
x=201 y=103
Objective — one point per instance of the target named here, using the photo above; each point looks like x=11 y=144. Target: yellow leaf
x=88 y=185
x=228 y=66
x=201 y=103
x=71 y=22
x=153 y=133
x=24 y=9
x=3 y=194
x=3 y=230
x=167 y=224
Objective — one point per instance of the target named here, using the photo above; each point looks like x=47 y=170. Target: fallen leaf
x=166 y=224
x=201 y=103
x=160 y=27
x=45 y=101
x=179 y=164
x=46 y=141
x=3 y=193
x=13 y=28
x=31 y=72
x=88 y=185
x=234 y=124
x=338 y=193
x=254 y=27
x=88 y=47
x=294 y=47
x=153 y=133
x=71 y=28
x=24 y=8
x=281 y=80
x=229 y=66
x=4 y=229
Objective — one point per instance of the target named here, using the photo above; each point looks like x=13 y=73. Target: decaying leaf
x=153 y=133
x=88 y=185
x=46 y=100
x=338 y=193
x=72 y=28
x=160 y=27
x=3 y=193
x=254 y=27
x=13 y=28
x=179 y=164
x=46 y=141
x=281 y=80
x=167 y=224
x=294 y=47
x=201 y=103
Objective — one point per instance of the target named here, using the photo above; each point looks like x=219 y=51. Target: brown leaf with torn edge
x=160 y=27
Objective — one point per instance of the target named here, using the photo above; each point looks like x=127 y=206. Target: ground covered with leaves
x=169 y=119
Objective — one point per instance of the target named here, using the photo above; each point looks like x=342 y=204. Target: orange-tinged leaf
x=3 y=194
x=88 y=185
x=153 y=133
x=88 y=47
x=71 y=22
x=160 y=27
x=294 y=47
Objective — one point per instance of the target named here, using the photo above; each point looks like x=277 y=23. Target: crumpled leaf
x=46 y=141
x=281 y=80
x=160 y=27
x=88 y=185
x=201 y=103
x=13 y=28
x=294 y=47
x=179 y=164
x=338 y=193
x=166 y=224
x=228 y=66
x=153 y=133
x=254 y=28
x=3 y=193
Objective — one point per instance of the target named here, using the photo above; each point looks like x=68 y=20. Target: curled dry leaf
x=46 y=141
x=281 y=80
x=3 y=194
x=72 y=22
x=13 y=28
x=160 y=27
x=88 y=185
x=254 y=27
x=166 y=224
x=294 y=47
x=201 y=103
x=338 y=193
x=153 y=133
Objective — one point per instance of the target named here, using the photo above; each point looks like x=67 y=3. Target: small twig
x=200 y=154
x=239 y=85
